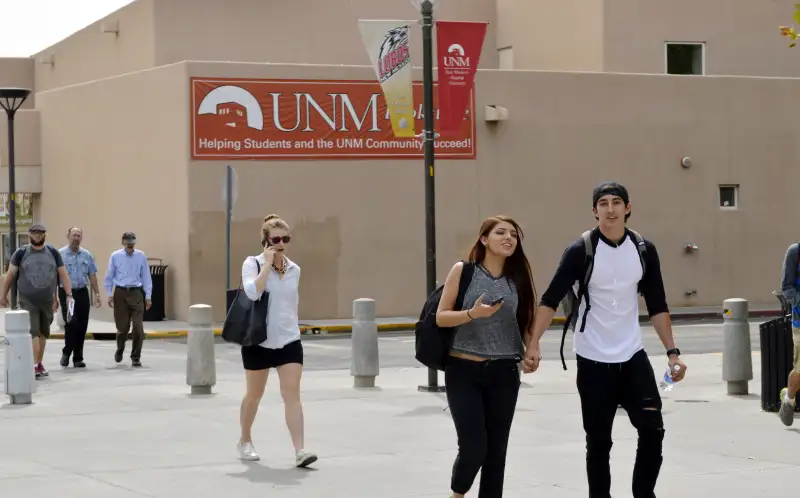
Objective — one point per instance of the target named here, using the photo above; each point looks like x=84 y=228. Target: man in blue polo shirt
x=129 y=287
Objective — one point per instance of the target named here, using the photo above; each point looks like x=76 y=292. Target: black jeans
x=75 y=330
x=603 y=387
x=482 y=397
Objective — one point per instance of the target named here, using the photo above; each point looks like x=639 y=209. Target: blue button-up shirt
x=80 y=266
x=128 y=270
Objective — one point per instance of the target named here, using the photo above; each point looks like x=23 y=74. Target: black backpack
x=433 y=343
x=571 y=302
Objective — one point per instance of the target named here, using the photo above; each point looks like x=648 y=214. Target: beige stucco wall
x=90 y=54
x=359 y=228
x=741 y=36
x=114 y=154
x=300 y=31
x=556 y=35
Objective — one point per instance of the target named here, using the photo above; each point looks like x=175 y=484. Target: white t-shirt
x=282 y=320
x=612 y=333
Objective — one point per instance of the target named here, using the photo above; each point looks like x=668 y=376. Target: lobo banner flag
x=459 y=47
x=389 y=52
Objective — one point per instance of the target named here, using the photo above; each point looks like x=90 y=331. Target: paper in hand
x=70 y=309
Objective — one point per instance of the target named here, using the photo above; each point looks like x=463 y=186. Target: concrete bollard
x=364 y=364
x=201 y=367
x=737 y=359
x=20 y=377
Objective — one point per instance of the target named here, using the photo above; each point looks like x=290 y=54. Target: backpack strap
x=583 y=290
x=642 y=248
x=463 y=283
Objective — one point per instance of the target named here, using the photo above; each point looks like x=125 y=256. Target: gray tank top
x=497 y=336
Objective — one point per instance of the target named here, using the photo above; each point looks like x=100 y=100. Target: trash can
x=157 y=311
x=776 y=356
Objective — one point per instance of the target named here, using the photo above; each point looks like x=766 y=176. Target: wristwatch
x=674 y=351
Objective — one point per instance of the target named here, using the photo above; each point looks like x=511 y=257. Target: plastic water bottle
x=667 y=383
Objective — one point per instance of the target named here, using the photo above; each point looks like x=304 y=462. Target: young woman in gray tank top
x=482 y=374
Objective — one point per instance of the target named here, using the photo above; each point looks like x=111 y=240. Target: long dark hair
x=516 y=268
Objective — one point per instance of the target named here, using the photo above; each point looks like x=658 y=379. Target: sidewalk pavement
x=101 y=324
x=115 y=432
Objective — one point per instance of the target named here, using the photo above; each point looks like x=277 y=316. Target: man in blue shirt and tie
x=129 y=288
x=82 y=272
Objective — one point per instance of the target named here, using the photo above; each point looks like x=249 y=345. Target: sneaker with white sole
x=247 y=452
x=304 y=458
x=786 y=412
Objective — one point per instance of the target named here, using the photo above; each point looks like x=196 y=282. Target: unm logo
x=394 y=53
x=456 y=56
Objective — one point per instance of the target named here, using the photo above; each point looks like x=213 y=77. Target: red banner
x=459 y=47
x=239 y=118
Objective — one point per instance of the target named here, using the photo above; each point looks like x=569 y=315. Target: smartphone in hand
x=493 y=303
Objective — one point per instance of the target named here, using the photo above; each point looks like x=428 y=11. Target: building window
x=728 y=196
x=22 y=239
x=686 y=58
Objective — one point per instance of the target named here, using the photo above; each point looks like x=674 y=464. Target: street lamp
x=10 y=100
x=426 y=9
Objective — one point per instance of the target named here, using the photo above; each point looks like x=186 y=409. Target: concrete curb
x=393 y=327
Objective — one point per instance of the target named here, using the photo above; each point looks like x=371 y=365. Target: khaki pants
x=796 y=338
x=129 y=308
x=40 y=315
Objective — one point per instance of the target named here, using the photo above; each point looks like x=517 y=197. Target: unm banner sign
x=309 y=119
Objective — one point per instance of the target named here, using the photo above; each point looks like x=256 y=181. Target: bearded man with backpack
x=607 y=268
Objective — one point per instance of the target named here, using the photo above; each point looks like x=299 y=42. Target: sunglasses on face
x=285 y=239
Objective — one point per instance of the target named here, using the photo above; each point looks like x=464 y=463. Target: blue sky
x=30 y=26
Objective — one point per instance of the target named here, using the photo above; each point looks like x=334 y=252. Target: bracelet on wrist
x=470 y=316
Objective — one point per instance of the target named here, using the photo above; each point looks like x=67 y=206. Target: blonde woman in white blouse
x=283 y=349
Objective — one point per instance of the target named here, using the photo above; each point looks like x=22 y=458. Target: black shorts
x=260 y=358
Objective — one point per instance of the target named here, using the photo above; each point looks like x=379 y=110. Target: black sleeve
x=569 y=270
x=59 y=259
x=652 y=285
x=16 y=258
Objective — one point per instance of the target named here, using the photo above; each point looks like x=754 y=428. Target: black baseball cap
x=609 y=188
x=37 y=227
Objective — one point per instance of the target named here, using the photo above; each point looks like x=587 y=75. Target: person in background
x=790 y=287
x=272 y=271
x=37 y=267
x=482 y=372
x=129 y=287
x=82 y=271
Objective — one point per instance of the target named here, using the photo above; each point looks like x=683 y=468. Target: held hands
x=675 y=360
x=480 y=310
x=532 y=358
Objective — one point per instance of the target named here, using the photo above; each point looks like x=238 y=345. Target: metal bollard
x=201 y=368
x=737 y=359
x=364 y=364
x=20 y=377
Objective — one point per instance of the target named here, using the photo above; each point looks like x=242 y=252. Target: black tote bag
x=246 y=321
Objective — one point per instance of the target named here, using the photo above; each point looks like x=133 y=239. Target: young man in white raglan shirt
x=613 y=368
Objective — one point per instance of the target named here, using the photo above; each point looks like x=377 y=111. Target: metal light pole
x=426 y=9
x=10 y=100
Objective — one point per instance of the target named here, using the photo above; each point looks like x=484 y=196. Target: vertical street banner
x=387 y=44
x=459 y=47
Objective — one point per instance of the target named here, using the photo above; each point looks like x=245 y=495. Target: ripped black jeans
x=603 y=387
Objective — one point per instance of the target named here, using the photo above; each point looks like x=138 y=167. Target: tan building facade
x=109 y=142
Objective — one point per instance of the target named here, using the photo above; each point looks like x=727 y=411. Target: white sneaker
x=304 y=458
x=247 y=452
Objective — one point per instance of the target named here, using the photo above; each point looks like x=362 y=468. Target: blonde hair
x=272 y=221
